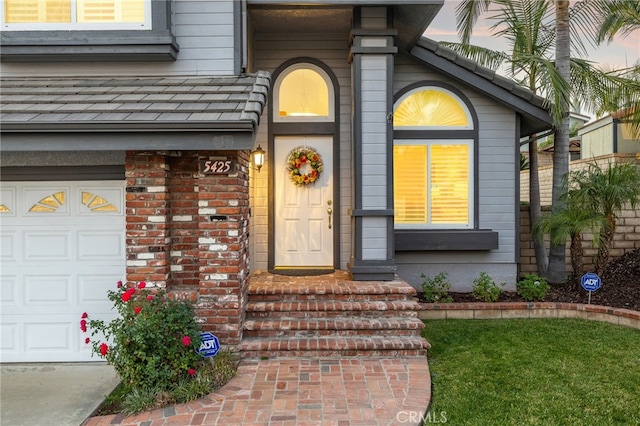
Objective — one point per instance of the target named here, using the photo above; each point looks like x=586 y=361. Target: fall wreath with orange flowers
x=304 y=165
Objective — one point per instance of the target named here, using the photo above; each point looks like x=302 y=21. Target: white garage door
x=62 y=248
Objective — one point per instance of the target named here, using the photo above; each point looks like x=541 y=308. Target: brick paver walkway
x=299 y=392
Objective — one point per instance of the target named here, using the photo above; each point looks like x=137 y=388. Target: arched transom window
x=303 y=93
x=431 y=107
x=433 y=160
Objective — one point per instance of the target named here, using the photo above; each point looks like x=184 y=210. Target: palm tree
x=606 y=192
x=556 y=271
x=540 y=41
x=620 y=16
x=570 y=222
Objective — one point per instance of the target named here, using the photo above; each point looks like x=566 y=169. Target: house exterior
x=607 y=135
x=127 y=144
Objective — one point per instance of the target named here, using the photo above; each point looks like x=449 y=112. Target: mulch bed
x=620 y=287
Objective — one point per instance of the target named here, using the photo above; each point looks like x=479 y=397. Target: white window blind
x=449 y=184
x=432 y=184
x=76 y=14
x=410 y=190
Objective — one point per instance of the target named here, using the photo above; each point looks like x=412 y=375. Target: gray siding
x=204 y=31
x=269 y=52
x=496 y=196
x=374 y=156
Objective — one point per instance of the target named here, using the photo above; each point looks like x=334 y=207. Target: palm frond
x=485 y=57
x=467 y=14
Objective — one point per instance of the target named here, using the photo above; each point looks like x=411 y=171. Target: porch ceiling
x=411 y=18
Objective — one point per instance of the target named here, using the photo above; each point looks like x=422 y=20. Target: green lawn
x=534 y=372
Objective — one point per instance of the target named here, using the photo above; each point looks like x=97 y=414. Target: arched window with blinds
x=433 y=160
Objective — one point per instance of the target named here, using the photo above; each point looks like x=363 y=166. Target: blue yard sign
x=210 y=345
x=590 y=282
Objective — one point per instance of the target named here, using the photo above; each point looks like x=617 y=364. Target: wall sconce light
x=258 y=157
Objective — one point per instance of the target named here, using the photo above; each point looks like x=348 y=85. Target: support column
x=147 y=209
x=223 y=245
x=372 y=52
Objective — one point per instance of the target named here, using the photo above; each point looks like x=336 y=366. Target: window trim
x=435 y=88
x=472 y=238
x=74 y=25
x=471 y=170
x=330 y=117
x=156 y=44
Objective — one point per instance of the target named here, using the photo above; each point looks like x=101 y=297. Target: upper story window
x=87 y=30
x=433 y=160
x=303 y=93
x=51 y=15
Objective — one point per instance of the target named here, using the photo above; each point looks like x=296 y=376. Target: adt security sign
x=210 y=345
x=590 y=281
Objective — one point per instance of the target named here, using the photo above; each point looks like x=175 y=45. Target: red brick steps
x=338 y=326
x=333 y=346
x=329 y=315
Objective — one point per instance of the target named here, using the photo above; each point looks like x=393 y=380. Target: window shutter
x=410 y=184
x=449 y=184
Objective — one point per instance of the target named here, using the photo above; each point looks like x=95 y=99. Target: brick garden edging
x=508 y=310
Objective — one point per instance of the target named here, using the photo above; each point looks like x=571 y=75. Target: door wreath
x=304 y=165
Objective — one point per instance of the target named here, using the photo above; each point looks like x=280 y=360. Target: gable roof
x=148 y=104
x=535 y=117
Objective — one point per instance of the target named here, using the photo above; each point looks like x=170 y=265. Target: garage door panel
x=103 y=200
x=9 y=338
x=60 y=254
x=92 y=291
x=7 y=202
x=103 y=246
x=48 y=335
x=46 y=201
x=46 y=246
x=8 y=244
x=9 y=290
x=50 y=291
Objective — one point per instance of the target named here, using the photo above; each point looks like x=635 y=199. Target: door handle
x=329 y=212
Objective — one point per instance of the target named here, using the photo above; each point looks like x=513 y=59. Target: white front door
x=62 y=246
x=304 y=213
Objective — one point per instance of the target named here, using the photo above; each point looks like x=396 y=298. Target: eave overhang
x=535 y=117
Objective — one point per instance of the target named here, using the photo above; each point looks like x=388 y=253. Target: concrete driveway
x=62 y=394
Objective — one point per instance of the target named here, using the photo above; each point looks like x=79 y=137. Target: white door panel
x=303 y=226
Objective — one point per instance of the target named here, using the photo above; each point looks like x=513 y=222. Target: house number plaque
x=217 y=167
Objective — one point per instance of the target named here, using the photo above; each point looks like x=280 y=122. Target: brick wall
x=626 y=238
x=545 y=173
x=627 y=235
x=189 y=232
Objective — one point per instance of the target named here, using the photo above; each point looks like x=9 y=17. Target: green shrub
x=436 y=290
x=532 y=287
x=485 y=288
x=152 y=347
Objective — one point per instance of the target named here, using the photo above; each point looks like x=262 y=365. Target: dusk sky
x=621 y=53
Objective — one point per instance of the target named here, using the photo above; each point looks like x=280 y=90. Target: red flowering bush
x=152 y=344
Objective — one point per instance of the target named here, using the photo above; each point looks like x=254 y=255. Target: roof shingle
x=157 y=101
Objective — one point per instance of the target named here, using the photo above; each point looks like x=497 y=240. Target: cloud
x=622 y=52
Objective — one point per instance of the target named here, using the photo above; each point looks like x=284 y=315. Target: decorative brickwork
x=223 y=244
x=188 y=232
x=626 y=238
x=147 y=210
x=509 y=310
